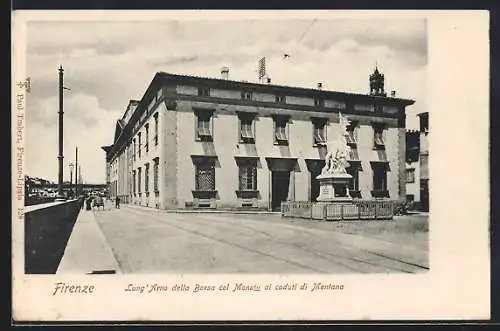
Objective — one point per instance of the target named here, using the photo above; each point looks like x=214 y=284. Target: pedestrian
x=117 y=202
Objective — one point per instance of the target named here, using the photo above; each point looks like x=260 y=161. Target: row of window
x=204 y=129
x=247 y=176
x=137 y=177
x=137 y=142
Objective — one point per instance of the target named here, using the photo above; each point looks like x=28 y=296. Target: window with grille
x=378 y=136
x=156 y=128
x=155 y=174
x=410 y=175
x=351 y=133
x=380 y=178
x=146 y=177
x=280 y=130
x=246 y=129
x=246 y=95
x=319 y=132
x=139 y=180
x=248 y=177
x=146 y=144
x=203 y=92
x=139 y=144
x=205 y=176
x=204 y=126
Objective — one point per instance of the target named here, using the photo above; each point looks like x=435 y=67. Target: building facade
x=424 y=161
x=194 y=142
x=413 y=166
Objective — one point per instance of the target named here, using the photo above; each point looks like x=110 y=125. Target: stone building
x=417 y=163
x=195 y=142
x=424 y=161
x=413 y=166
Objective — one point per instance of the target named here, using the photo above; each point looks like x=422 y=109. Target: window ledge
x=203 y=194
x=281 y=143
x=247 y=194
x=380 y=193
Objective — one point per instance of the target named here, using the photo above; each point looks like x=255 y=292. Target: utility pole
x=76 y=173
x=60 y=195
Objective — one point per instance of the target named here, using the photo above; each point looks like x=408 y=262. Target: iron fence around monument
x=339 y=211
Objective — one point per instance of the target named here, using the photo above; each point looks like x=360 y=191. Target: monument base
x=334 y=187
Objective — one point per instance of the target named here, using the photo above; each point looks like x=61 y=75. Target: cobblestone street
x=153 y=241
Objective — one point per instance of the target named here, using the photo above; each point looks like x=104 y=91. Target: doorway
x=280 y=184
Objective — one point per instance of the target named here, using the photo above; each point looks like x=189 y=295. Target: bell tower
x=377 y=84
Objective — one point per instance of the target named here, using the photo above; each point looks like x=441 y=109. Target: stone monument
x=334 y=179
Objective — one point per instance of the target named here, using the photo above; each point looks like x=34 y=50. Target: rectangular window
x=203 y=92
x=351 y=133
x=139 y=180
x=133 y=181
x=134 y=150
x=139 y=143
x=319 y=102
x=205 y=176
x=319 y=131
x=378 y=136
x=204 y=126
x=246 y=95
x=155 y=174
x=246 y=129
x=280 y=99
x=146 y=144
x=280 y=130
x=155 y=116
x=353 y=170
x=146 y=177
x=380 y=178
x=410 y=175
x=248 y=177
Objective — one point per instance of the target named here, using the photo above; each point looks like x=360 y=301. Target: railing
x=331 y=211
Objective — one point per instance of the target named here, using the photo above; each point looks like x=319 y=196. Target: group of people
x=97 y=201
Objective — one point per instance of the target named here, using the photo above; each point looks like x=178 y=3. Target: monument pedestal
x=334 y=187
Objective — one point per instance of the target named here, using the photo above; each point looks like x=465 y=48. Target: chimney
x=320 y=86
x=393 y=94
x=224 y=73
x=269 y=80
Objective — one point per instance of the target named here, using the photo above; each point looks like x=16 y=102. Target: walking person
x=117 y=202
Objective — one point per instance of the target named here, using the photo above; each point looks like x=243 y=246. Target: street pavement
x=153 y=241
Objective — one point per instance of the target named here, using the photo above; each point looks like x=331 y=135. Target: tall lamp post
x=60 y=195
x=71 y=165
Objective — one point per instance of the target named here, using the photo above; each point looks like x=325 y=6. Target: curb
x=199 y=211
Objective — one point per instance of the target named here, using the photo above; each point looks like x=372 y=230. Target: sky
x=108 y=63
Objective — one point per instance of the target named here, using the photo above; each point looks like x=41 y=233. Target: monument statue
x=338 y=151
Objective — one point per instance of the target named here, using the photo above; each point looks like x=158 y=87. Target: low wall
x=46 y=233
x=37 y=200
x=339 y=211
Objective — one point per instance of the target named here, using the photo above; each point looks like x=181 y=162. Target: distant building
x=413 y=165
x=424 y=161
x=194 y=142
x=417 y=164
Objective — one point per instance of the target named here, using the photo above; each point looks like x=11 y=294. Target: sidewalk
x=87 y=251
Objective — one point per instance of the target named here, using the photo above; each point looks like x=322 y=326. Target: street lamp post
x=71 y=165
x=60 y=157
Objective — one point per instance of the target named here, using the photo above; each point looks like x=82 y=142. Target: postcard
x=250 y=165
